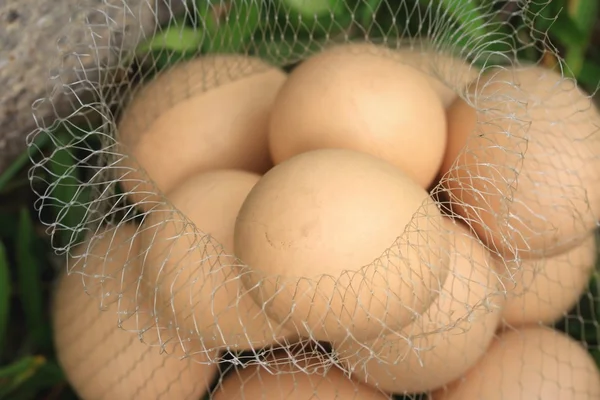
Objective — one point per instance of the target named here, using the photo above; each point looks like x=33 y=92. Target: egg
x=455 y=331
x=544 y=291
x=447 y=74
x=193 y=266
x=356 y=97
x=207 y=113
x=529 y=364
x=529 y=179
x=256 y=382
x=315 y=233
x=101 y=360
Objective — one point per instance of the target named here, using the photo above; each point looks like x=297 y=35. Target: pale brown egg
x=204 y=114
x=356 y=97
x=545 y=290
x=316 y=232
x=448 y=339
x=256 y=382
x=529 y=180
x=197 y=276
x=101 y=360
x=532 y=363
x=448 y=75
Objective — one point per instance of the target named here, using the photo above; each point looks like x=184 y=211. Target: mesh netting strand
x=211 y=249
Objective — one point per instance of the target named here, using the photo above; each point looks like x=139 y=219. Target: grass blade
x=18 y=374
x=30 y=283
x=5 y=293
x=67 y=190
x=229 y=26
x=23 y=159
x=584 y=13
x=46 y=377
x=177 y=38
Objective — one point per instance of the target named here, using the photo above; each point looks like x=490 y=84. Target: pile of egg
x=308 y=177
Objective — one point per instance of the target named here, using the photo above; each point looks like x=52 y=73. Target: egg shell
x=315 y=233
x=255 y=382
x=529 y=181
x=455 y=331
x=544 y=291
x=196 y=274
x=356 y=97
x=447 y=74
x=529 y=364
x=207 y=113
x=101 y=360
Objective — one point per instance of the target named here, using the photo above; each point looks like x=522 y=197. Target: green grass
x=28 y=366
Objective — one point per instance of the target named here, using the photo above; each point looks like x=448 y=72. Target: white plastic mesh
x=401 y=298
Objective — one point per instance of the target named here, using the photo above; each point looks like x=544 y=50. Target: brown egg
x=196 y=277
x=448 y=75
x=448 y=339
x=255 y=382
x=208 y=113
x=356 y=97
x=529 y=364
x=544 y=291
x=100 y=360
x=315 y=233
x=529 y=181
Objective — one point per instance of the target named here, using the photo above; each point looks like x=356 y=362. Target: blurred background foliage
x=276 y=30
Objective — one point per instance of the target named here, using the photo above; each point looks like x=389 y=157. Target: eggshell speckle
x=448 y=339
x=356 y=97
x=314 y=233
x=529 y=181
x=529 y=364
x=102 y=361
x=196 y=275
x=208 y=113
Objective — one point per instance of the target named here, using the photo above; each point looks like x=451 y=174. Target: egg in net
x=320 y=199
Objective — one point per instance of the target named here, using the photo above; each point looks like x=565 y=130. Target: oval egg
x=101 y=360
x=315 y=232
x=447 y=74
x=545 y=290
x=256 y=382
x=358 y=97
x=529 y=363
x=196 y=276
x=529 y=180
x=207 y=113
x=455 y=331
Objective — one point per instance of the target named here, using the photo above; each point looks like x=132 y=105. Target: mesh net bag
x=319 y=200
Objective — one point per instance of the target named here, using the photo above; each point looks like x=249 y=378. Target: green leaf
x=567 y=31
x=467 y=13
x=24 y=159
x=19 y=367
x=5 y=293
x=589 y=75
x=68 y=192
x=584 y=13
x=229 y=25
x=30 y=284
x=177 y=38
x=313 y=8
x=18 y=373
x=288 y=24
x=367 y=12
x=48 y=375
